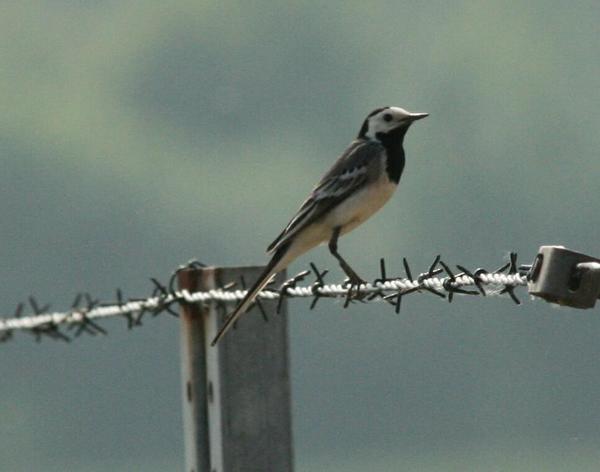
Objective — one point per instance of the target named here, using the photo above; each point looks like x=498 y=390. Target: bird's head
x=388 y=122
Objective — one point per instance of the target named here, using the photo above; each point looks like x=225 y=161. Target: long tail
x=273 y=267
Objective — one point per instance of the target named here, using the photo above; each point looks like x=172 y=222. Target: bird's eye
x=387 y=117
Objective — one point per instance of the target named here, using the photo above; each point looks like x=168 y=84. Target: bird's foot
x=353 y=283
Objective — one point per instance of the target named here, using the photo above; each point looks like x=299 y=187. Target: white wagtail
x=360 y=182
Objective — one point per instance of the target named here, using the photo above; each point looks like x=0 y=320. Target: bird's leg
x=355 y=279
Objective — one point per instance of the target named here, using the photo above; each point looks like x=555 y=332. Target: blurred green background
x=137 y=135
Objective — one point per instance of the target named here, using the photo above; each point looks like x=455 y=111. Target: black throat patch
x=392 y=142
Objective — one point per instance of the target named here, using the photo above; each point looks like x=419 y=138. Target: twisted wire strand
x=48 y=323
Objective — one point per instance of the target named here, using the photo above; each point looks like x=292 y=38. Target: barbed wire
x=439 y=280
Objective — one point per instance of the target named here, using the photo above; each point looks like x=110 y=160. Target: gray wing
x=359 y=163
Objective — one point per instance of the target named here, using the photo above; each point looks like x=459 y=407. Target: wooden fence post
x=236 y=396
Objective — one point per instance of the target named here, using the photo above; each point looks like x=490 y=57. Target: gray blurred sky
x=137 y=135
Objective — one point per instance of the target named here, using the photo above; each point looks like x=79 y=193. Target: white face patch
x=386 y=120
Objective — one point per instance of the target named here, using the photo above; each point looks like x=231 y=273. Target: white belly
x=358 y=208
x=348 y=215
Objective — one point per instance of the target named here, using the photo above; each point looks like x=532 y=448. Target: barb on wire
x=287 y=286
x=87 y=325
x=439 y=280
x=318 y=284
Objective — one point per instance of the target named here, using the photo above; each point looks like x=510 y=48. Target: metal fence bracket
x=565 y=277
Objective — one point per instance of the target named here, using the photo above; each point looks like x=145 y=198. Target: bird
x=358 y=184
